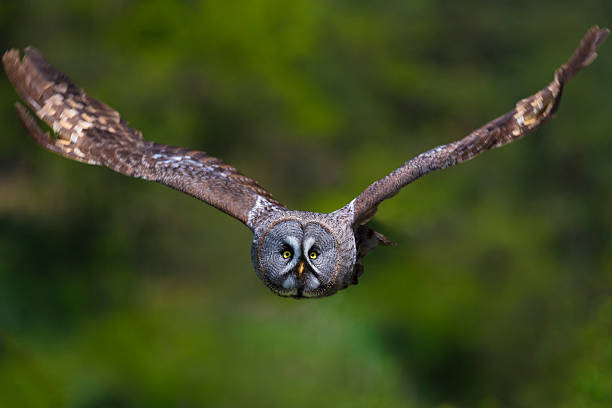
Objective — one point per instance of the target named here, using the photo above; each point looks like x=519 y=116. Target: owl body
x=298 y=254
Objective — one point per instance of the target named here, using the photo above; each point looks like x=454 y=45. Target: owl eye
x=287 y=254
x=313 y=255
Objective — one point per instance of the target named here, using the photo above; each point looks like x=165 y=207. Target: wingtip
x=34 y=54
x=15 y=53
x=601 y=35
x=10 y=57
x=596 y=36
x=15 y=57
x=31 y=50
x=11 y=52
x=585 y=54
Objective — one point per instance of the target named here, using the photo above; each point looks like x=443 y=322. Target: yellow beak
x=300 y=269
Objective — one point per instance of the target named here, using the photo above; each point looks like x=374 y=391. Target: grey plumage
x=295 y=253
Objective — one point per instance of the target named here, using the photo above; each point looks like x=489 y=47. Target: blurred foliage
x=115 y=292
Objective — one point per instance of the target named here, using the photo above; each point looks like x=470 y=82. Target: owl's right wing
x=92 y=132
x=528 y=115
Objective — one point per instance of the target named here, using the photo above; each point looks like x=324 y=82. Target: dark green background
x=115 y=292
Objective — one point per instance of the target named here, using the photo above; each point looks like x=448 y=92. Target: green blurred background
x=116 y=292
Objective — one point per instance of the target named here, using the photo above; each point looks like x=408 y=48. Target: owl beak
x=300 y=269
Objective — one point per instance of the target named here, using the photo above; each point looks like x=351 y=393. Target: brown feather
x=91 y=132
x=528 y=115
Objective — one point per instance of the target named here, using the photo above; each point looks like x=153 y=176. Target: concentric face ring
x=297 y=260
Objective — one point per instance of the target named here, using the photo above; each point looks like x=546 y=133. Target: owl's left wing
x=91 y=132
x=528 y=115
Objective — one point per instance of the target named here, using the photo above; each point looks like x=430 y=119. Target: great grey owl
x=295 y=253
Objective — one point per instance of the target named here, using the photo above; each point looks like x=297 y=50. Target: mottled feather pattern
x=89 y=131
x=528 y=115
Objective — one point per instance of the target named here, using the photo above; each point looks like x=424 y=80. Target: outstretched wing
x=91 y=132
x=528 y=115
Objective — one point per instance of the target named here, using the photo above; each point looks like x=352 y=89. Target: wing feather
x=528 y=115
x=91 y=132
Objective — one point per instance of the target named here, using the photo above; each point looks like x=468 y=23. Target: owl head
x=304 y=255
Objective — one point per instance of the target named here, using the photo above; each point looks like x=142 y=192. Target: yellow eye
x=286 y=254
x=312 y=255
